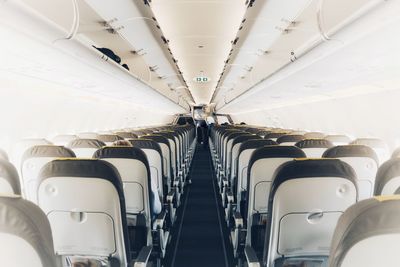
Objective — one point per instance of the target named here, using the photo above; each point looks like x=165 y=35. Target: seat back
x=364 y=162
x=368 y=234
x=234 y=154
x=92 y=225
x=154 y=157
x=166 y=155
x=379 y=146
x=25 y=235
x=246 y=149
x=63 y=139
x=289 y=139
x=307 y=198
x=9 y=179
x=32 y=162
x=388 y=178
x=108 y=139
x=133 y=168
x=20 y=147
x=262 y=166
x=314 y=148
x=85 y=148
x=338 y=139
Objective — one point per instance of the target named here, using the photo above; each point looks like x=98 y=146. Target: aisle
x=201 y=237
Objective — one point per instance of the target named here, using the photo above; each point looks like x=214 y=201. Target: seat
x=306 y=200
x=63 y=139
x=364 y=162
x=255 y=192
x=166 y=155
x=9 y=179
x=20 y=147
x=289 y=139
x=368 y=234
x=32 y=162
x=154 y=157
x=85 y=148
x=338 y=139
x=233 y=156
x=314 y=148
x=133 y=168
x=379 y=146
x=388 y=178
x=94 y=225
x=108 y=139
x=25 y=235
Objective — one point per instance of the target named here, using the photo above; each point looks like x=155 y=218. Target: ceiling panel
x=200 y=35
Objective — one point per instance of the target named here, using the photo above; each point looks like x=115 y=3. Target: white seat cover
x=25 y=235
x=368 y=234
x=306 y=200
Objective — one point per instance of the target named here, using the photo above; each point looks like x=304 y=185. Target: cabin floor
x=201 y=237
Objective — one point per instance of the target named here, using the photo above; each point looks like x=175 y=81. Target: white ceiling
x=200 y=33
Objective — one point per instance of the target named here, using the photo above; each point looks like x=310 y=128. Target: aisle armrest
x=251 y=257
x=143 y=257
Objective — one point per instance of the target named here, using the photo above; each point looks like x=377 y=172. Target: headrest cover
x=157 y=138
x=256 y=143
x=314 y=143
x=126 y=135
x=350 y=151
x=85 y=143
x=276 y=152
x=109 y=137
x=372 y=142
x=243 y=138
x=24 y=219
x=338 y=138
x=91 y=168
x=305 y=168
x=8 y=172
x=387 y=171
x=48 y=151
x=146 y=144
x=290 y=138
x=275 y=135
x=232 y=135
x=365 y=219
x=314 y=135
x=121 y=152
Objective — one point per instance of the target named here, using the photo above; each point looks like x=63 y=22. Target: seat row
x=113 y=205
x=284 y=191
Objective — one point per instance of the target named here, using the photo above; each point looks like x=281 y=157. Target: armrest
x=171 y=196
x=251 y=257
x=237 y=217
x=159 y=222
x=143 y=257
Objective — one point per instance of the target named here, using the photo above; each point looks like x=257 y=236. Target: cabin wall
x=372 y=115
